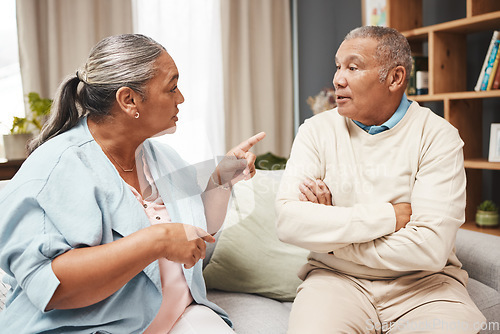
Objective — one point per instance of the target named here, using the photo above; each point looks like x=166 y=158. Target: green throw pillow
x=248 y=256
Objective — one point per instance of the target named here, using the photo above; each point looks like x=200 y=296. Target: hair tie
x=82 y=76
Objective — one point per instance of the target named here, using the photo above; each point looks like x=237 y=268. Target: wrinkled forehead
x=357 y=49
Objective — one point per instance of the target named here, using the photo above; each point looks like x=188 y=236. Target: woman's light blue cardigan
x=68 y=195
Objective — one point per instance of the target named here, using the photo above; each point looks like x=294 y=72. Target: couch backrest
x=478 y=253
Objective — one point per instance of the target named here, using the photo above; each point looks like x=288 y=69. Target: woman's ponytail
x=64 y=113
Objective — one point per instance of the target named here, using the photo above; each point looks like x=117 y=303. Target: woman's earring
x=137 y=115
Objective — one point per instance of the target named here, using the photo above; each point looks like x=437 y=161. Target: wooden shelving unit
x=447 y=53
x=8 y=168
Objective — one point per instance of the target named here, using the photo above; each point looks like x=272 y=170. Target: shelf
x=447 y=47
x=481 y=164
x=456 y=96
x=471 y=226
x=488 y=21
x=8 y=168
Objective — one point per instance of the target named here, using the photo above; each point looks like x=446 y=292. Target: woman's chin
x=168 y=131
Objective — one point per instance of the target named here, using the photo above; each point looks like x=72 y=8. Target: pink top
x=176 y=294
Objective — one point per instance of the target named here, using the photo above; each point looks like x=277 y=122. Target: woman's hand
x=316 y=192
x=184 y=243
x=88 y=275
x=238 y=163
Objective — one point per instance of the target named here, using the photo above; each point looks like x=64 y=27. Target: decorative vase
x=15 y=145
x=487 y=218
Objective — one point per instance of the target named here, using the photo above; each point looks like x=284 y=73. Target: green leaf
x=487 y=206
x=19 y=125
x=40 y=109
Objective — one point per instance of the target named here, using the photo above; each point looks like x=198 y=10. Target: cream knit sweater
x=418 y=161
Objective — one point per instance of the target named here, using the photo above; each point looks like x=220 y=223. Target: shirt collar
x=391 y=122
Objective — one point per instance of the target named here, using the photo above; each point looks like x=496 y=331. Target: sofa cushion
x=252 y=314
x=248 y=256
x=487 y=300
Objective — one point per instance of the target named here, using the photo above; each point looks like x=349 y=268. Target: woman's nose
x=181 y=97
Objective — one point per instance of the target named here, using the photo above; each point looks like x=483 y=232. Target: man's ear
x=127 y=99
x=397 y=78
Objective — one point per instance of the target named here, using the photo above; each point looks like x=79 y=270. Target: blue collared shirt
x=391 y=122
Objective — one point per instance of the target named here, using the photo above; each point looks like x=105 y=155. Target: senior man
x=375 y=189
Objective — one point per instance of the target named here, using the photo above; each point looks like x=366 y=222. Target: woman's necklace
x=109 y=154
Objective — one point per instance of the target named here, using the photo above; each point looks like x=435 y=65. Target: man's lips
x=342 y=98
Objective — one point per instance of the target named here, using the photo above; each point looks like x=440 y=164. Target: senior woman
x=102 y=229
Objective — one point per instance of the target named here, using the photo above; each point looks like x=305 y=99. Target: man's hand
x=315 y=192
x=403 y=213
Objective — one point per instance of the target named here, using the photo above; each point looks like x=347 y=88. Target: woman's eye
x=173 y=90
x=352 y=68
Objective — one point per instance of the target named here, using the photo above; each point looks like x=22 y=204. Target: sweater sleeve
x=317 y=227
x=438 y=210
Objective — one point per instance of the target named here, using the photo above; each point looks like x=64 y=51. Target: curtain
x=234 y=59
x=258 y=85
x=190 y=31
x=55 y=37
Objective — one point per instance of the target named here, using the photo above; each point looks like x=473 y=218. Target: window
x=190 y=31
x=11 y=91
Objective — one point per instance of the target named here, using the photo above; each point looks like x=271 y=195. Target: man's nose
x=339 y=79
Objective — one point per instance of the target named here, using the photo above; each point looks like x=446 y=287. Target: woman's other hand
x=88 y=275
x=316 y=192
x=238 y=163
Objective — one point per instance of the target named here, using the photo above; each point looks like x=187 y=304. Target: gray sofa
x=250 y=273
x=478 y=252
x=254 y=314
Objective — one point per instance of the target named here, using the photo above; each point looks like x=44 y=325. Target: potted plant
x=22 y=128
x=487 y=214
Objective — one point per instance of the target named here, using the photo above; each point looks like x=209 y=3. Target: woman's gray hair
x=392 y=50
x=117 y=61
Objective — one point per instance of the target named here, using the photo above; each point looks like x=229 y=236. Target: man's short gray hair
x=392 y=50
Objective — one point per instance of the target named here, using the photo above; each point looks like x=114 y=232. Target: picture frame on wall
x=494 y=155
x=374 y=12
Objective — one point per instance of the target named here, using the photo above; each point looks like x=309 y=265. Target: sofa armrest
x=480 y=256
